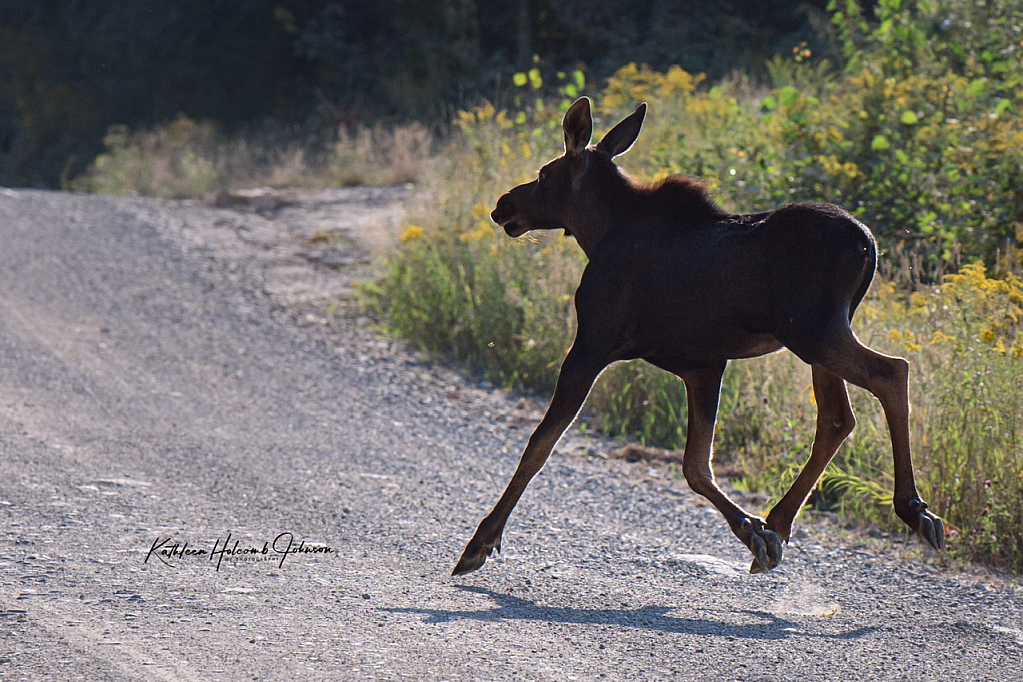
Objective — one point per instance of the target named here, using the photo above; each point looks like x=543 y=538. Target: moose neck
x=610 y=202
x=603 y=206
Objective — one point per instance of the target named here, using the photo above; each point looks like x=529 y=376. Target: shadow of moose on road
x=512 y=608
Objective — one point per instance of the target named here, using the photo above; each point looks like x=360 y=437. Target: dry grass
x=186 y=159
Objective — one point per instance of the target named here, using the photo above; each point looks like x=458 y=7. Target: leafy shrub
x=498 y=306
x=173 y=161
x=968 y=347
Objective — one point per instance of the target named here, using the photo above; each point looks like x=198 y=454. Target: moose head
x=564 y=187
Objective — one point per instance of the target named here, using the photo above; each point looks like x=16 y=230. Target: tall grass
x=186 y=159
x=458 y=287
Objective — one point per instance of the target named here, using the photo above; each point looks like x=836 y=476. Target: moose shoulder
x=676 y=281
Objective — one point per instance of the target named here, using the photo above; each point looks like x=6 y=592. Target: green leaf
x=880 y=143
x=977 y=87
x=579 y=78
x=909 y=117
x=1002 y=106
x=788 y=96
x=768 y=102
x=535 y=79
x=520 y=79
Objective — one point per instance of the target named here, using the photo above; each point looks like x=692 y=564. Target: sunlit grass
x=190 y=159
x=458 y=287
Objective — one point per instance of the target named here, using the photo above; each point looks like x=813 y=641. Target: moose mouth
x=507 y=220
x=514 y=229
x=515 y=226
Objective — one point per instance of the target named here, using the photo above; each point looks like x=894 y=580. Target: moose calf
x=686 y=286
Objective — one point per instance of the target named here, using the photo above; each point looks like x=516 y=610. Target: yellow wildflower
x=411 y=233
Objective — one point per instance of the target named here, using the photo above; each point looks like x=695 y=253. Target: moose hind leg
x=835 y=421
x=578 y=373
x=888 y=379
x=702 y=389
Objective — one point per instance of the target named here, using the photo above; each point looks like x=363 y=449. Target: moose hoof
x=767 y=549
x=474 y=556
x=929 y=526
x=932 y=530
x=766 y=545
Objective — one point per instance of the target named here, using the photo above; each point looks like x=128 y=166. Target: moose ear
x=578 y=125
x=621 y=137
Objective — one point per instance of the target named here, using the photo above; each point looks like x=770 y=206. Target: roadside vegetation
x=186 y=158
x=919 y=132
x=917 y=128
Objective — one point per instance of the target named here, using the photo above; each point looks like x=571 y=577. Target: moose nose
x=503 y=208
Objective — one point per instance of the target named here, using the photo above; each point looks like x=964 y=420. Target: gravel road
x=178 y=378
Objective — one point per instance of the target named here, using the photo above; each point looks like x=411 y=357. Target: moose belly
x=686 y=345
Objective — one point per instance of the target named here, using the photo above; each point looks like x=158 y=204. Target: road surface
x=176 y=381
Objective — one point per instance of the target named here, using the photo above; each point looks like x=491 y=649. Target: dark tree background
x=71 y=68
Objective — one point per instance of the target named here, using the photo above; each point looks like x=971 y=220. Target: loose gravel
x=187 y=373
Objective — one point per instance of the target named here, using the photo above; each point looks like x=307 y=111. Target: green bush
x=173 y=161
x=499 y=307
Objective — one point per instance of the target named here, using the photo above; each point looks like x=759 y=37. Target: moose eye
x=542 y=176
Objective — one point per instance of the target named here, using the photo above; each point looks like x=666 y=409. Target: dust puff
x=804 y=600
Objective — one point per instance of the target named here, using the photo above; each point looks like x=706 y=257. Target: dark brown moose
x=678 y=282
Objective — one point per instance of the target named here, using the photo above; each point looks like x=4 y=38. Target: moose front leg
x=578 y=373
x=702 y=389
